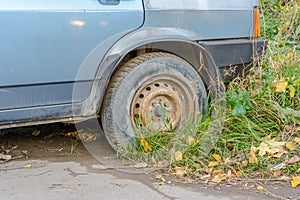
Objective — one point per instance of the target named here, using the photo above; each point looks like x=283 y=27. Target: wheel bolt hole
x=148 y=88
x=137 y=105
x=166 y=85
x=141 y=96
x=156 y=85
x=137 y=116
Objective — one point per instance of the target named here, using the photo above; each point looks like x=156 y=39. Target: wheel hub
x=160 y=103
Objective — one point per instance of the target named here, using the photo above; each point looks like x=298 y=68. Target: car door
x=44 y=42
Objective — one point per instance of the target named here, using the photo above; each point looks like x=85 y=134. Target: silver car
x=133 y=63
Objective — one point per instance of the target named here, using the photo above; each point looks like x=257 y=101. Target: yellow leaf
x=292 y=91
x=36 y=133
x=126 y=163
x=253 y=151
x=213 y=164
x=291 y=146
x=244 y=163
x=253 y=160
x=207 y=170
x=190 y=140
x=227 y=161
x=277 y=173
x=180 y=171
x=259 y=187
x=218 y=171
x=217 y=157
x=178 y=155
x=295 y=181
x=160 y=178
x=271 y=147
x=239 y=173
x=281 y=86
x=27 y=166
x=145 y=145
x=219 y=178
x=297 y=140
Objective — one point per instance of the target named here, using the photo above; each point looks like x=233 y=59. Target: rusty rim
x=162 y=103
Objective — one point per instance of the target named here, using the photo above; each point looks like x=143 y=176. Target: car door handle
x=109 y=2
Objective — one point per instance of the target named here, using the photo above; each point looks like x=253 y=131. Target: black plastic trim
x=234 y=52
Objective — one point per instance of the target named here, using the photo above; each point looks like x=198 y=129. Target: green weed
x=262 y=108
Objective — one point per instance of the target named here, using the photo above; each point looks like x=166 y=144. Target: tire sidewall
x=122 y=95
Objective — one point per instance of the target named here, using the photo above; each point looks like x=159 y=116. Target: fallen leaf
x=293 y=160
x=86 y=137
x=279 y=154
x=271 y=147
x=291 y=146
x=229 y=174
x=295 y=181
x=297 y=140
x=27 y=166
x=145 y=145
x=244 y=163
x=66 y=179
x=72 y=134
x=277 y=173
x=253 y=160
x=178 y=155
x=281 y=85
x=239 y=173
x=219 y=178
x=292 y=90
x=36 y=133
x=217 y=157
x=205 y=177
x=227 y=162
x=259 y=187
x=5 y=157
x=213 y=164
x=207 y=170
x=160 y=178
x=218 y=171
x=126 y=163
x=190 y=140
x=141 y=165
x=180 y=171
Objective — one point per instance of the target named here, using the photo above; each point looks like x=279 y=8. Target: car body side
x=57 y=57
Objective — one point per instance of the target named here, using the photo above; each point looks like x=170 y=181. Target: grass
x=262 y=107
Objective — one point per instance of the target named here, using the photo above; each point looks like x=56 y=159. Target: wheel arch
x=175 y=41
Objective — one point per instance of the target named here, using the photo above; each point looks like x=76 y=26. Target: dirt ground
x=21 y=150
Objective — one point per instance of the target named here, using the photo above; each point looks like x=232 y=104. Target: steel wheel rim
x=162 y=103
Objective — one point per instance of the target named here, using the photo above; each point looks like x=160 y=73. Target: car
x=132 y=63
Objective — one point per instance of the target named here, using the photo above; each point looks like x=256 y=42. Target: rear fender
x=174 y=41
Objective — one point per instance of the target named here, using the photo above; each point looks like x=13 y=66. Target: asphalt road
x=46 y=169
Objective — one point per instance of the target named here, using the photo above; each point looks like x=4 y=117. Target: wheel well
x=191 y=52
